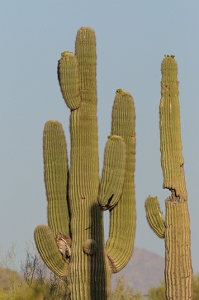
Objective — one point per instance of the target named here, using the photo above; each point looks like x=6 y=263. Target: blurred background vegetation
x=35 y=281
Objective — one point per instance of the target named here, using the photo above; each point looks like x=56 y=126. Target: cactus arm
x=69 y=79
x=113 y=172
x=46 y=245
x=154 y=216
x=171 y=146
x=55 y=176
x=119 y=246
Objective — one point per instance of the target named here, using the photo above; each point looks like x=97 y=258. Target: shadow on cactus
x=175 y=229
x=73 y=242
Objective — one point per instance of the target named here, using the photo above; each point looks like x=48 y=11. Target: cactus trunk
x=176 y=228
x=73 y=244
x=178 y=268
x=86 y=217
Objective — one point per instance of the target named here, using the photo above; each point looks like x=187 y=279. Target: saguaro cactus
x=73 y=242
x=175 y=229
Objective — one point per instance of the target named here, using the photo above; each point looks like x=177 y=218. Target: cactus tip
x=166 y=55
x=122 y=92
x=65 y=53
x=115 y=137
x=119 y=91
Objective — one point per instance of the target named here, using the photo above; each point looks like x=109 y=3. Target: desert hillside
x=145 y=269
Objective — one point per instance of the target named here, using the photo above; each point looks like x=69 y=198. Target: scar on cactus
x=73 y=243
x=175 y=229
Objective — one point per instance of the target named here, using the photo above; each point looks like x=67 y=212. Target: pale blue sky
x=132 y=38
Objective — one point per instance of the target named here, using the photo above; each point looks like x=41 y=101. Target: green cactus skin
x=55 y=176
x=45 y=241
x=76 y=197
x=113 y=172
x=154 y=216
x=172 y=160
x=178 y=265
x=123 y=216
x=69 y=79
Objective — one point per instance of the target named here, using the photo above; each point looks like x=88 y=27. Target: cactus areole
x=73 y=242
x=175 y=229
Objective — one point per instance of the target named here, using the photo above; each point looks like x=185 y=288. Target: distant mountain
x=145 y=269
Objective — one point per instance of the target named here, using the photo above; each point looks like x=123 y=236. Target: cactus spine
x=73 y=242
x=176 y=228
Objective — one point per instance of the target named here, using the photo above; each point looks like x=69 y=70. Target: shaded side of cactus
x=175 y=229
x=73 y=242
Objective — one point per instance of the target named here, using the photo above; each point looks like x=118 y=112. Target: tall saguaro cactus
x=175 y=229
x=73 y=242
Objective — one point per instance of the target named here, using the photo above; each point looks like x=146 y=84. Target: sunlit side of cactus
x=175 y=229
x=73 y=242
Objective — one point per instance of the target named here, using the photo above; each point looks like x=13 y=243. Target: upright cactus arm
x=113 y=172
x=119 y=246
x=68 y=75
x=172 y=160
x=55 y=177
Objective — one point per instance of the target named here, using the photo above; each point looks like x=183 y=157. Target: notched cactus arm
x=68 y=76
x=113 y=172
x=47 y=247
x=172 y=160
x=154 y=216
x=119 y=246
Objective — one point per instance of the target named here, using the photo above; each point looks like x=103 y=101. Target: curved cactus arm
x=68 y=76
x=55 y=176
x=172 y=160
x=154 y=216
x=47 y=248
x=119 y=246
x=113 y=172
